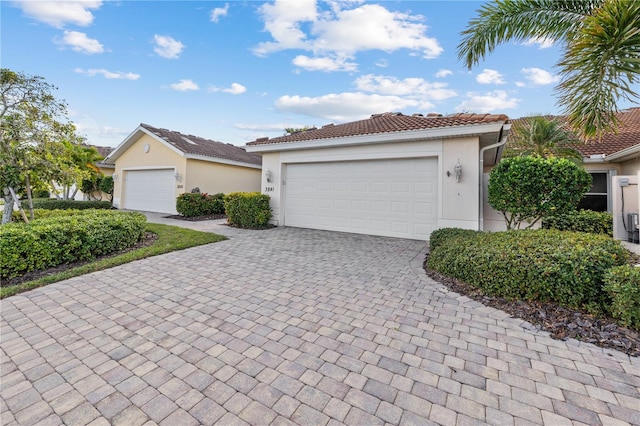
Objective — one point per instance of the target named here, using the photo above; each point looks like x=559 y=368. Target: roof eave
x=621 y=155
x=378 y=138
x=131 y=139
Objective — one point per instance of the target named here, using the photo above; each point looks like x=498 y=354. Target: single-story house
x=391 y=174
x=153 y=166
x=614 y=163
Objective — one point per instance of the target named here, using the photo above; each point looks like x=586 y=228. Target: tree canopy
x=601 y=51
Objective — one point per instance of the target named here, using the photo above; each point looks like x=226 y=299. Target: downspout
x=502 y=140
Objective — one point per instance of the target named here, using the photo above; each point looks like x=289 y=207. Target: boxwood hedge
x=248 y=209
x=545 y=265
x=55 y=204
x=64 y=238
x=581 y=221
x=191 y=204
x=622 y=284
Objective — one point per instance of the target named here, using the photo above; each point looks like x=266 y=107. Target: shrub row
x=199 y=204
x=622 y=284
x=581 y=221
x=55 y=204
x=248 y=209
x=544 y=265
x=65 y=238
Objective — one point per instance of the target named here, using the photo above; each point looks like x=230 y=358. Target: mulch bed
x=561 y=322
x=197 y=218
x=147 y=239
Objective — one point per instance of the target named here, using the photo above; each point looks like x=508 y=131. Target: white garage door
x=150 y=190
x=395 y=198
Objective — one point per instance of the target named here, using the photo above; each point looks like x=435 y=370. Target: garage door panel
x=381 y=197
x=150 y=190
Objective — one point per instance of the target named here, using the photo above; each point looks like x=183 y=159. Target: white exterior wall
x=631 y=203
x=458 y=202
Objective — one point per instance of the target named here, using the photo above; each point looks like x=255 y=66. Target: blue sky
x=237 y=70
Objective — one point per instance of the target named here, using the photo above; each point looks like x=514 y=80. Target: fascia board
x=222 y=161
x=635 y=149
x=403 y=136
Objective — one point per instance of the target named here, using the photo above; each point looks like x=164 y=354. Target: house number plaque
x=269 y=189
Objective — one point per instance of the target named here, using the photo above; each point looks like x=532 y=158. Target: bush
x=527 y=189
x=248 y=209
x=64 y=238
x=55 y=204
x=581 y=221
x=439 y=236
x=544 y=265
x=622 y=284
x=199 y=204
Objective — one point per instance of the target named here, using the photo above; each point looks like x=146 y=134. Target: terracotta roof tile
x=103 y=150
x=384 y=123
x=628 y=135
x=195 y=145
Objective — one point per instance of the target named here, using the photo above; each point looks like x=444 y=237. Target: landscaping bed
x=561 y=322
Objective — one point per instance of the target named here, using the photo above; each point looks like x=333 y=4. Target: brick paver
x=292 y=326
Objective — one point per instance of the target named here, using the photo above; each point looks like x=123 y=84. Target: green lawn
x=170 y=238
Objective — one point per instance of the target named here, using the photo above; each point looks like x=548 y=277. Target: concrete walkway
x=292 y=326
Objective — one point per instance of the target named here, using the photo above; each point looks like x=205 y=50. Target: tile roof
x=103 y=150
x=385 y=123
x=195 y=145
x=628 y=135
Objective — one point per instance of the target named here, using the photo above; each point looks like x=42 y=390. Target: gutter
x=502 y=140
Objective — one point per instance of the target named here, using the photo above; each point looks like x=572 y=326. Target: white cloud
x=539 y=77
x=234 y=89
x=330 y=33
x=348 y=106
x=184 y=85
x=416 y=88
x=110 y=75
x=324 y=64
x=382 y=63
x=79 y=42
x=489 y=102
x=542 y=43
x=59 y=13
x=218 y=12
x=443 y=73
x=167 y=47
x=488 y=76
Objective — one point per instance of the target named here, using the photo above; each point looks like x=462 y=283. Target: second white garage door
x=395 y=198
x=150 y=190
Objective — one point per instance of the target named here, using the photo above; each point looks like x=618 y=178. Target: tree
x=292 y=130
x=601 y=51
x=106 y=186
x=543 y=137
x=527 y=189
x=74 y=165
x=31 y=131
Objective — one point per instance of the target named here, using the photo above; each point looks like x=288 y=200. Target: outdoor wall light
x=115 y=177
x=457 y=171
x=177 y=176
x=267 y=175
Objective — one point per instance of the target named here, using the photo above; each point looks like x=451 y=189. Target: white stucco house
x=390 y=175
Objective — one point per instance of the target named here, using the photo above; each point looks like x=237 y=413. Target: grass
x=170 y=238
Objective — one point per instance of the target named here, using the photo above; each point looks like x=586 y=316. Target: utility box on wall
x=625 y=208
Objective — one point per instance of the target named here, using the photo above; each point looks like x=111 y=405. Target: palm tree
x=601 y=50
x=542 y=137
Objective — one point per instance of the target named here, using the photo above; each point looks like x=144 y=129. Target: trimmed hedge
x=248 y=209
x=55 y=204
x=622 y=284
x=439 y=236
x=581 y=221
x=64 y=238
x=192 y=204
x=544 y=265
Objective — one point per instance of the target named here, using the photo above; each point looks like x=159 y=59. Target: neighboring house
x=153 y=166
x=614 y=164
x=391 y=175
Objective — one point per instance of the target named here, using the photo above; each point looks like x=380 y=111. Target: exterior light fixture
x=268 y=175
x=457 y=171
x=114 y=177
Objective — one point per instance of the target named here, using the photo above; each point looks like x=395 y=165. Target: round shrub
x=581 y=221
x=248 y=209
x=64 y=238
x=544 y=265
x=445 y=234
x=622 y=284
x=191 y=204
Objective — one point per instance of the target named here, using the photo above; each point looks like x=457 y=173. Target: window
x=597 y=199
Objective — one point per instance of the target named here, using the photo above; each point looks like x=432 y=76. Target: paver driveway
x=293 y=326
